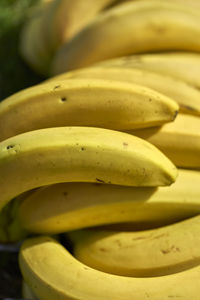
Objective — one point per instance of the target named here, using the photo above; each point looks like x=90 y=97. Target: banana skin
x=130 y=28
x=157 y=252
x=53 y=273
x=179 y=140
x=69 y=206
x=186 y=95
x=84 y=102
x=81 y=154
x=181 y=65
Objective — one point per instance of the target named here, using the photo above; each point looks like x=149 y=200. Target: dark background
x=14 y=73
x=14 y=76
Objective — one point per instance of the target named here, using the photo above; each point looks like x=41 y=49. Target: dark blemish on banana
x=63 y=99
x=175 y=115
x=13 y=148
x=172 y=249
x=82 y=148
x=165 y=251
x=65 y=193
x=10 y=147
x=103 y=249
x=100 y=180
x=118 y=243
x=56 y=87
x=161 y=235
x=188 y=107
x=150 y=99
x=125 y=144
x=140 y=238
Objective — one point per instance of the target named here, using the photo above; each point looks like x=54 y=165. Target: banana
x=180 y=65
x=32 y=44
x=53 y=273
x=179 y=140
x=184 y=94
x=157 y=252
x=70 y=206
x=64 y=18
x=68 y=154
x=84 y=102
x=132 y=27
x=11 y=230
x=58 y=22
x=27 y=292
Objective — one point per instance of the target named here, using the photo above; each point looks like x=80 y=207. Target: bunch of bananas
x=106 y=153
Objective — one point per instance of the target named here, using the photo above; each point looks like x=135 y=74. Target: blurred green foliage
x=14 y=76
x=14 y=73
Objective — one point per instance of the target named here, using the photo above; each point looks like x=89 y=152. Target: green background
x=14 y=73
x=14 y=76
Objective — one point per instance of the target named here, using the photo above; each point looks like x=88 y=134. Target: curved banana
x=179 y=140
x=180 y=65
x=58 y=22
x=135 y=27
x=157 y=252
x=84 y=102
x=69 y=206
x=53 y=273
x=64 y=18
x=184 y=94
x=68 y=154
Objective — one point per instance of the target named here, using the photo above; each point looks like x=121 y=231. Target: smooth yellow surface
x=53 y=273
x=134 y=27
x=69 y=206
x=179 y=140
x=79 y=154
x=84 y=102
x=186 y=95
x=157 y=252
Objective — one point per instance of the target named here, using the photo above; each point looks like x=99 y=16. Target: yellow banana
x=69 y=206
x=67 y=154
x=84 y=102
x=53 y=273
x=33 y=40
x=27 y=292
x=58 y=21
x=180 y=65
x=11 y=230
x=133 y=27
x=64 y=18
x=184 y=94
x=157 y=252
x=179 y=140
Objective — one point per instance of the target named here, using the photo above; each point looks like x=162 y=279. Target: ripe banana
x=179 y=140
x=11 y=230
x=64 y=18
x=157 y=252
x=69 y=206
x=58 y=22
x=180 y=65
x=32 y=46
x=27 y=292
x=133 y=27
x=184 y=94
x=53 y=273
x=87 y=154
x=84 y=102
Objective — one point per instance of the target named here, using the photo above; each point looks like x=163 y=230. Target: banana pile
x=100 y=163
